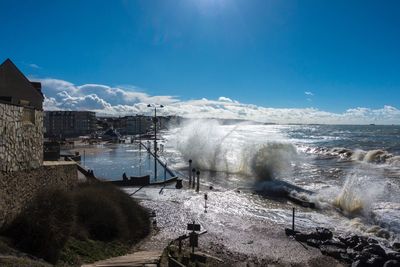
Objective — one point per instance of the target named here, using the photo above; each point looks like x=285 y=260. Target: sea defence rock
x=351 y=249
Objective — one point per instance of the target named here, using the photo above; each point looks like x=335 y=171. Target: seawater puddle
x=111 y=161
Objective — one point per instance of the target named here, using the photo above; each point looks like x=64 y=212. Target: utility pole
x=155 y=139
x=155 y=143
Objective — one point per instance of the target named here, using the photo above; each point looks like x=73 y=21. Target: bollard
x=198 y=181
x=193 y=176
x=293 y=220
x=178 y=184
x=190 y=173
x=205 y=202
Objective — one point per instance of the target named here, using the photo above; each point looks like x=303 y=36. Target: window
x=28 y=116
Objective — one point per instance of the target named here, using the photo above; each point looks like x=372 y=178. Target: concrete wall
x=21 y=140
x=18 y=188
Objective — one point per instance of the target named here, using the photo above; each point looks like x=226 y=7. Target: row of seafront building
x=79 y=123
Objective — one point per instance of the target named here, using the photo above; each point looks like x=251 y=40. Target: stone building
x=138 y=124
x=69 y=123
x=21 y=120
x=127 y=125
x=22 y=170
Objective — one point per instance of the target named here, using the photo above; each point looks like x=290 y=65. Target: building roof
x=16 y=89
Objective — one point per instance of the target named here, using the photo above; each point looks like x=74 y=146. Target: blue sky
x=261 y=52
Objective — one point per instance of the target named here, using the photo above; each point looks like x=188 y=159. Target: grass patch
x=12 y=261
x=76 y=252
x=89 y=223
x=45 y=225
x=108 y=214
x=10 y=257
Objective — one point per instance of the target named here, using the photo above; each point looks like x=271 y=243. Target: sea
x=350 y=172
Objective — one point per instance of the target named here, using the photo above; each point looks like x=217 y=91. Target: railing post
x=193 y=175
x=190 y=173
x=205 y=202
x=293 y=219
x=198 y=181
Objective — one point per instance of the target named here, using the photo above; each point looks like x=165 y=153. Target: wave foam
x=377 y=156
x=215 y=147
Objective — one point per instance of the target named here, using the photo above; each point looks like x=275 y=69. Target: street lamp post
x=155 y=138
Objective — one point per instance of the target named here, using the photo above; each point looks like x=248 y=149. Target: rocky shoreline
x=350 y=249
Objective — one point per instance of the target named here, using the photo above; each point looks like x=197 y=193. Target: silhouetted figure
x=124 y=177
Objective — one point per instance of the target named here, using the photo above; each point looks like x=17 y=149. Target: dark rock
x=351 y=253
x=324 y=234
x=360 y=246
x=346 y=258
x=375 y=261
x=363 y=257
x=342 y=239
x=358 y=263
x=372 y=241
x=314 y=243
x=335 y=243
x=351 y=241
x=301 y=237
x=392 y=263
x=375 y=250
x=332 y=251
x=383 y=234
x=396 y=246
x=393 y=256
x=290 y=232
x=321 y=234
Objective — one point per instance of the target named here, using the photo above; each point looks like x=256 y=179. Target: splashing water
x=359 y=192
x=215 y=147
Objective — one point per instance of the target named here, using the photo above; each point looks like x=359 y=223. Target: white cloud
x=308 y=93
x=126 y=100
x=34 y=66
x=224 y=99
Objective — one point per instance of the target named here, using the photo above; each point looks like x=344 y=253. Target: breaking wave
x=220 y=148
x=368 y=195
x=372 y=156
x=359 y=192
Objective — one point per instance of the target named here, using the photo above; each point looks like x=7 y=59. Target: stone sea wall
x=18 y=188
x=21 y=138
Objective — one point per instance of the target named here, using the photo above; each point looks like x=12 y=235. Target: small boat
x=132 y=181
